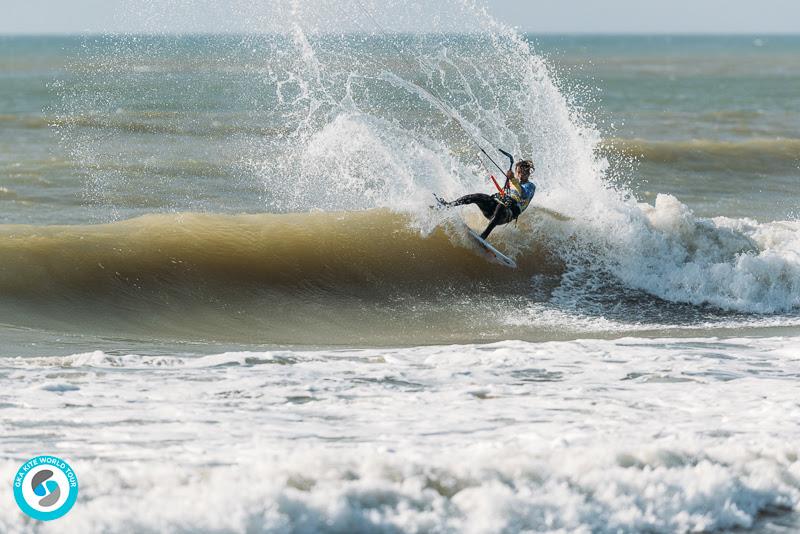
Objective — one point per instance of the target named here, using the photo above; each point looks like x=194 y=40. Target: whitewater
x=628 y=435
x=226 y=301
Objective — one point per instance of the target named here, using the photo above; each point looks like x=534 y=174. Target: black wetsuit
x=498 y=212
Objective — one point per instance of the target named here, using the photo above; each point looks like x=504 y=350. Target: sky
x=536 y=16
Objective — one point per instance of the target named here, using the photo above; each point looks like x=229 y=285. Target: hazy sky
x=540 y=16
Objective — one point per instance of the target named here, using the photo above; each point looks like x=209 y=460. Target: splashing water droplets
x=357 y=105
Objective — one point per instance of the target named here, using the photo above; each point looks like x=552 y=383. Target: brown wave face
x=294 y=278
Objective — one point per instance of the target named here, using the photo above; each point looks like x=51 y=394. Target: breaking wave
x=350 y=141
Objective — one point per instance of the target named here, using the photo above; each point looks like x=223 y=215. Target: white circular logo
x=45 y=487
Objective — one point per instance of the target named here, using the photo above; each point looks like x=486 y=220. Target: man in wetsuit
x=502 y=208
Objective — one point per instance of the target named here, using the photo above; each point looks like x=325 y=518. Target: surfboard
x=489 y=252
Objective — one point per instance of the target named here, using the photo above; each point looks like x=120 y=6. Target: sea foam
x=630 y=435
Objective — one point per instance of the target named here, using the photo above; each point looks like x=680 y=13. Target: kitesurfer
x=505 y=205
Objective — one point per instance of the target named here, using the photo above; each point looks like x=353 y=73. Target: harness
x=503 y=194
x=510 y=203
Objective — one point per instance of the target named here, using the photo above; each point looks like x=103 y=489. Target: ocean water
x=225 y=300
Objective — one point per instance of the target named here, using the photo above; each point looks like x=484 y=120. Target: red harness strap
x=499 y=189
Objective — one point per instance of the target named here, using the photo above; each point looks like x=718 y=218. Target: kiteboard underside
x=488 y=251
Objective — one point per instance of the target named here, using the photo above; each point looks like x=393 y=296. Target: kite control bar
x=510 y=158
x=504 y=190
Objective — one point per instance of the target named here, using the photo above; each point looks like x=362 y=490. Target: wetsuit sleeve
x=517 y=185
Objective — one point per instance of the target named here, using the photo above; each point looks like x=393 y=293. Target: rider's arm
x=514 y=182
